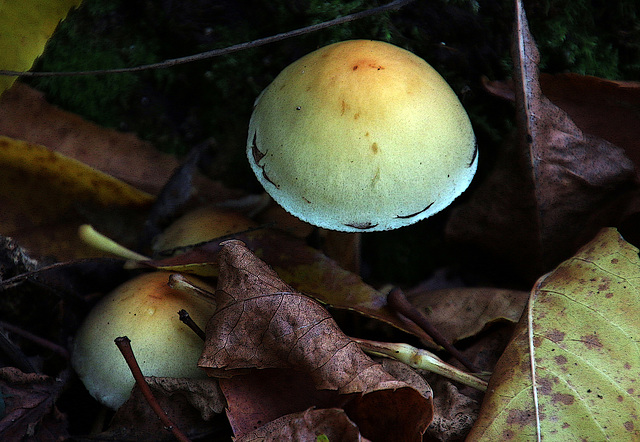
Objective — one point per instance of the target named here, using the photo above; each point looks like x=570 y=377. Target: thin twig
x=186 y=318
x=394 y=5
x=124 y=345
x=398 y=302
x=16 y=356
x=36 y=339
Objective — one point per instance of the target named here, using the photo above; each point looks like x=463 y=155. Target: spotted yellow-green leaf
x=582 y=327
x=25 y=27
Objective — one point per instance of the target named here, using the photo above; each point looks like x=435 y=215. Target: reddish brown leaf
x=387 y=414
x=261 y=322
x=308 y=425
x=304 y=268
x=189 y=403
x=261 y=396
x=605 y=108
x=462 y=312
x=551 y=192
x=28 y=400
x=264 y=395
x=26 y=115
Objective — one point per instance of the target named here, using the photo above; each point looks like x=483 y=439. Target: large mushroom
x=361 y=136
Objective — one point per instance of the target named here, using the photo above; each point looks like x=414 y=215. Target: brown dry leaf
x=552 y=191
x=308 y=425
x=386 y=415
x=261 y=322
x=454 y=414
x=26 y=115
x=608 y=109
x=293 y=331
x=203 y=394
x=462 y=312
x=45 y=196
x=189 y=403
x=28 y=403
x=261 y=396
x=605 y=108
x=264 y=395
x=303 y=267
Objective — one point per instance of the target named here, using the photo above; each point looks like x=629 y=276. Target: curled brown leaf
x=28 y=401
x=464 y=312
x=263 y=323
x=306 y=425
x=553 y=190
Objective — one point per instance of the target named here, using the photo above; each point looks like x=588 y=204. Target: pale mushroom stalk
x=343 y=247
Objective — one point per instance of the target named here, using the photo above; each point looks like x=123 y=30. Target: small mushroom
x=145 y=309
x=361 y=136
x=200 y=225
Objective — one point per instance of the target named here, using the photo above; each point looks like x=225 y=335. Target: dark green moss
x=591 y=37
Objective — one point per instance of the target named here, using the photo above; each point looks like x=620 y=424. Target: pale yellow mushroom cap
x=144 y=309
x=361 y=136
x=200 y=225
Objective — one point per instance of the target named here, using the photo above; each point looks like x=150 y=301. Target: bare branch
x=394 y=5
x=124 y=345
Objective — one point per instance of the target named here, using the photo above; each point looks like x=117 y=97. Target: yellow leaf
x=582 y=325
x=44 y=190
x=25 y=27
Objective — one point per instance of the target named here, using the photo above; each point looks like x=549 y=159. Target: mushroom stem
x=342 y=247
x=124 y=345
x=422 y=360
x=398 y=302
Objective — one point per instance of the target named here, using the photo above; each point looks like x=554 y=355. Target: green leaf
x=582 y=323
x=25 y=27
